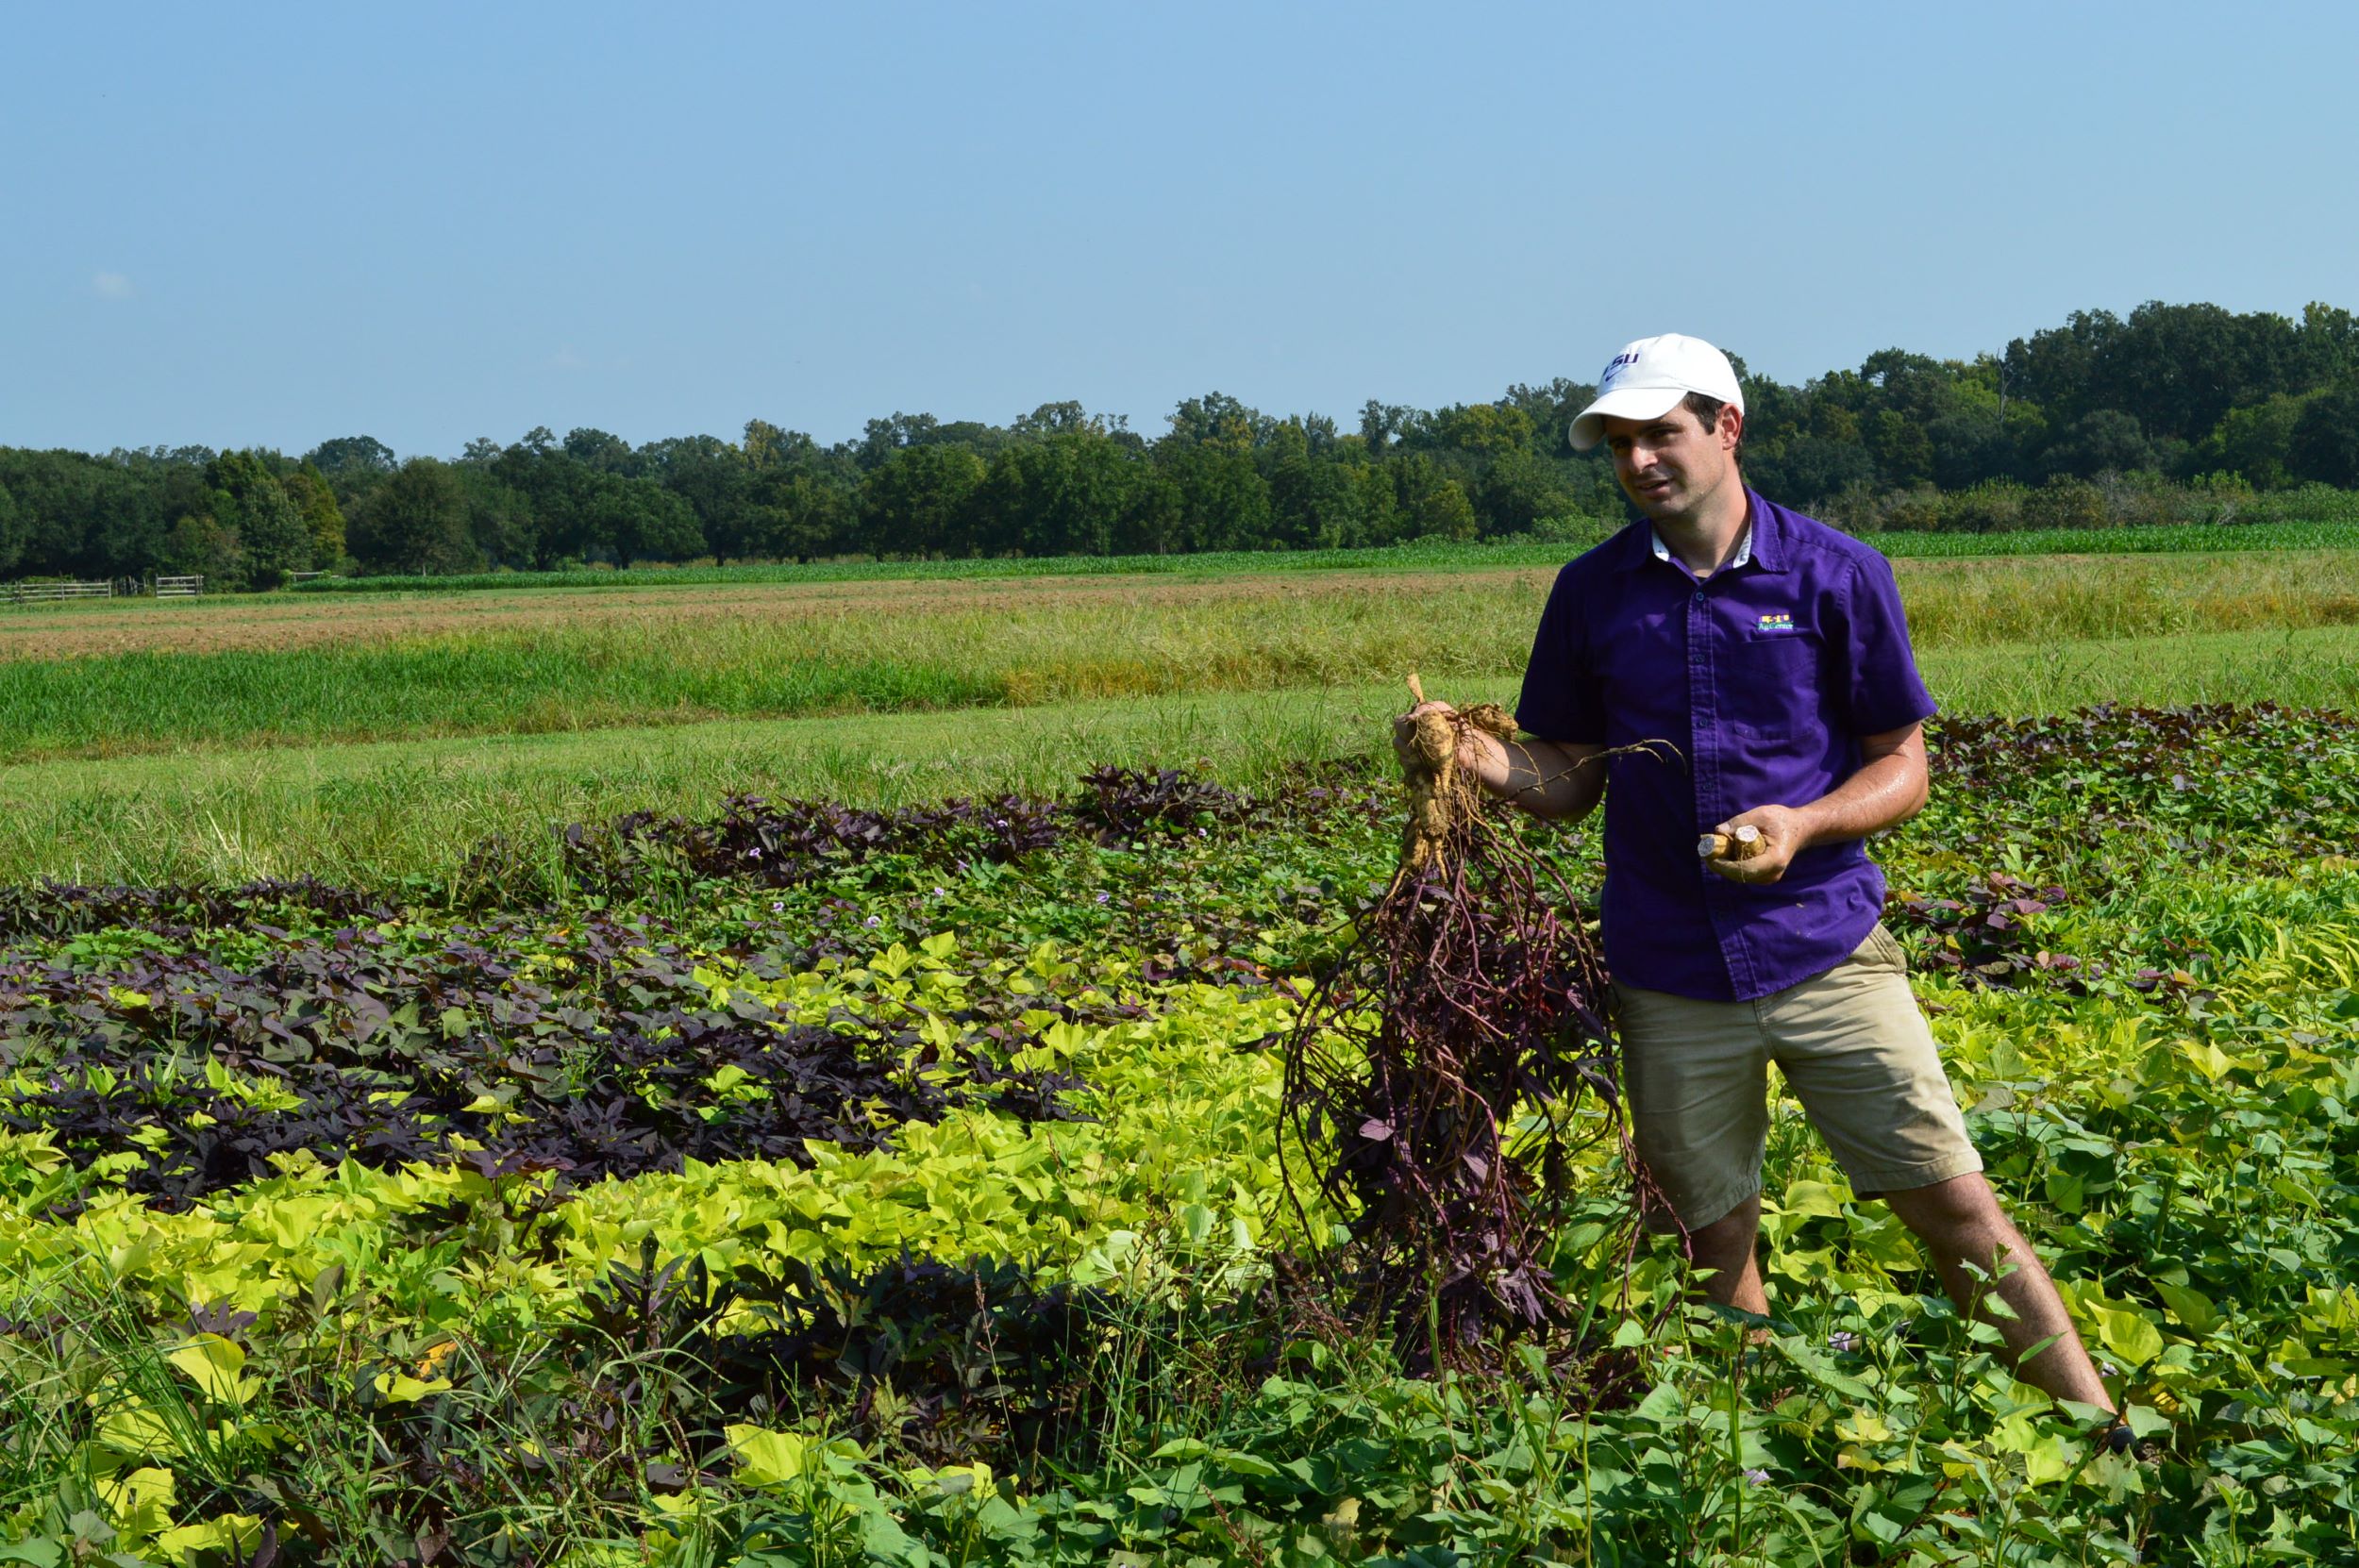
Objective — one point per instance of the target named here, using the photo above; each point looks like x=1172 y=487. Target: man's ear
x=1731 y=426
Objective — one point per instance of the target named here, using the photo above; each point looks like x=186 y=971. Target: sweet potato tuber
x=1742 y=845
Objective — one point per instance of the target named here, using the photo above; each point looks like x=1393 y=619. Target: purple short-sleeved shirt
x=1763 y=677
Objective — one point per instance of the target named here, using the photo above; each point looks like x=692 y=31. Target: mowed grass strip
x=377 y=813
x=1416 y=555
x=1026 y=649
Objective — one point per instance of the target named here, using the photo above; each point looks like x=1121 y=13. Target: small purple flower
x=1756 y=1477
x=753 y=855
x=873 y=920
x=778 y=905
x=1102 y=897
x=1843 y=1340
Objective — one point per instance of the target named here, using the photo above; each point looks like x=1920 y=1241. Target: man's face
x=1670 y=467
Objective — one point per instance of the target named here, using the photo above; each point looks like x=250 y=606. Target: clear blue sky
x=244 y=225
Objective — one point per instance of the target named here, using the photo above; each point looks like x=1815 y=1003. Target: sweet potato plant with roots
x=1431 y=1079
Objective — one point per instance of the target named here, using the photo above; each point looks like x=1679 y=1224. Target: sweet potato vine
x=1431 y=1078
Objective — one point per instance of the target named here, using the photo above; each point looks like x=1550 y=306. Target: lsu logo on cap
x=1768 y=624
x=1619 y=361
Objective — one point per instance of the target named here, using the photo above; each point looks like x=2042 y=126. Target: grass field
x=140 y=679
x=382 y=809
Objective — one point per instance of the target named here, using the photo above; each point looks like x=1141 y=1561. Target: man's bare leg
x=1960 y=1223
x=1727 y=1247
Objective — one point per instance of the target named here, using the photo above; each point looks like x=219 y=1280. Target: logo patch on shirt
x=1768 y=624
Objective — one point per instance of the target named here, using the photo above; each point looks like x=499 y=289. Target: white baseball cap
x=1649 y=376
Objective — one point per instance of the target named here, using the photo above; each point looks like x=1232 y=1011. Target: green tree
x=919 y=501
x=1381 y=424
x=2328 y=346
x=2325 y=445
x=2255 y=442
x=1810 y=469
x=1969 y=446
x=1480 y=430
x=500 y=524
x=354 y=466
x=1221 y=500
x=1553 y=407
x=2178 y=369
x=1150 y=518
x=11 y=531
x=1901 y=445
x=2057 y=367
x=315 y=498
x=1433 y=502
x=1219 y=419
x=2106 y=440
x=607 y=453
x=197 y=545
x=1052 y=419
x=717 y=482
x=1314 y=502
x=1521 y=487
x=640 y=519
x=1061 y=494
x=1379 y=507
x=884 y=436
x=809 y=512
x=415 y=520
x=248 y=502
x=347 y=454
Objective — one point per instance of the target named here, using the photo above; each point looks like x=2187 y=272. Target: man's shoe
x=2120 y=1439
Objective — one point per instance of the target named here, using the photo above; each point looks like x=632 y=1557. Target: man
x=1769 y=651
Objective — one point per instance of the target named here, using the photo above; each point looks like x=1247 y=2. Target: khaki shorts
x=1851 y=1044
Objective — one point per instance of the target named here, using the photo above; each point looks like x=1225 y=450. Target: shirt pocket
x=1776 y=686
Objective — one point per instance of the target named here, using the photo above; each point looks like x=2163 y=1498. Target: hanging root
x=1433 y=1078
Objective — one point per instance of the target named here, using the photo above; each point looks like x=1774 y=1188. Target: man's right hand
x=1406 y=725
x=1480 y=754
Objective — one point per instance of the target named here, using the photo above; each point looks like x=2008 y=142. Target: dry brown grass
x=1951 y=602
x=286 y=623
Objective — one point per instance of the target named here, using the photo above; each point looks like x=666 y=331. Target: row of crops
x=805 y=1185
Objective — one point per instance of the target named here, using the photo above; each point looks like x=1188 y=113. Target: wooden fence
x=121 y=588
x=38 y=592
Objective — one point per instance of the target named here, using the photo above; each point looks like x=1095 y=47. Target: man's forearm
x=1888 y=787
x=1885 y=791
x=1548 y=778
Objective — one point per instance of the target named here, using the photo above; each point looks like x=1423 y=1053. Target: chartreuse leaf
x=399 y=1388
x=2127 y=1334
x=767 y=1458
x=2188 y=1305
x=235 y=1533
x=140 y=1501
x=213 y=1363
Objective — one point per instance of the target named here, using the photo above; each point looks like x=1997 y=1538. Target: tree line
x=2173 y=410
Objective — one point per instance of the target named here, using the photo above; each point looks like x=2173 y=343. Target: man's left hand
x=1784 y=833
